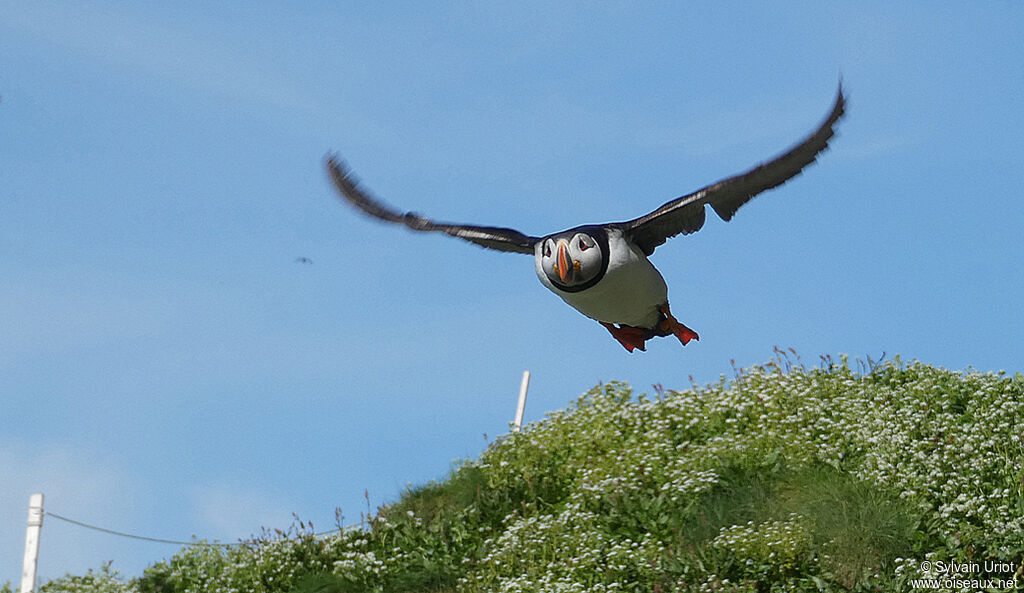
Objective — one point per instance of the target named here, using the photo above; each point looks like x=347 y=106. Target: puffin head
x=575 y=259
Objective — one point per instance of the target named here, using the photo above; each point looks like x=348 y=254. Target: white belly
x=630 y=292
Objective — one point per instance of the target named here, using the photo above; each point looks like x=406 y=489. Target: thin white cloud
x=55 y=311
x=76 y=483
x=231 y=511
x=877 y=146
x=86 y=486
x=176 y=54
x=718 y=130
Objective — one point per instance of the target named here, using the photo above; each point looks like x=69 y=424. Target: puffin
x=603 y=270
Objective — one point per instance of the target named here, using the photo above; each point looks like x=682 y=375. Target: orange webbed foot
x=630 y=337
x=679 y=330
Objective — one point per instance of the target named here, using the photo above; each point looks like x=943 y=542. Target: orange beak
x=563 y=261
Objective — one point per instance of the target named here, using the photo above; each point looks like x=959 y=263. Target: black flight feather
x=686 y=214
x=499 y=238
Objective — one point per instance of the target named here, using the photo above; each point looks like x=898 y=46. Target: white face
x=570 y=262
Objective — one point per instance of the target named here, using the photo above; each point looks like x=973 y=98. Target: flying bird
x=602 y=270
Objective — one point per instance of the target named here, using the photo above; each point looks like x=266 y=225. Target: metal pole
x=522 y=401
x=35 y=527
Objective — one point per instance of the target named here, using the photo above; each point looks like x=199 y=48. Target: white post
x=35 y=526
x=522 y=401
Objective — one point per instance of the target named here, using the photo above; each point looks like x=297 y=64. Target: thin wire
x=165 y=541
x=142 y=537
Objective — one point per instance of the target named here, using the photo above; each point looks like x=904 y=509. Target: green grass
x=782 y=478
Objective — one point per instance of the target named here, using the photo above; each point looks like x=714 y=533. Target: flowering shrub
x=773 y=547
x=106 y=580
x=782 y=478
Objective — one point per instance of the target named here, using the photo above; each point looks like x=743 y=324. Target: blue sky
x=168 y=369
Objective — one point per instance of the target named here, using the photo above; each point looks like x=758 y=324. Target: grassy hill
x=781 y=478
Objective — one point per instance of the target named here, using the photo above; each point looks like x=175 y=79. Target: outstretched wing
x=686 y=214
x=502 y=239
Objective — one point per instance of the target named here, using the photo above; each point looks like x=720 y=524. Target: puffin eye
x=583 y=245
x=547 y=250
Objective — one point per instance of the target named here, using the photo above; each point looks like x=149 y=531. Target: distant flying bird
x=303 y=260
x=602 y=270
